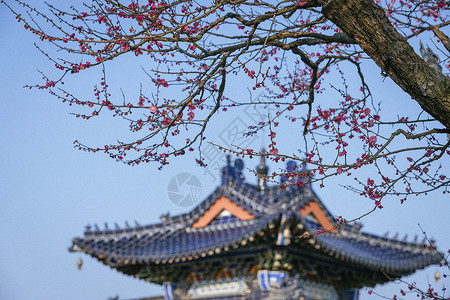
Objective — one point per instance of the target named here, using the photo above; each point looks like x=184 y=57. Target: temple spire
x=262 y=171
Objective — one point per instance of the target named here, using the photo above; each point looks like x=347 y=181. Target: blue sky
x=50 y=191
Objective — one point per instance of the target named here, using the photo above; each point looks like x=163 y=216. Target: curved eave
x=393 y=257
x=174 y=246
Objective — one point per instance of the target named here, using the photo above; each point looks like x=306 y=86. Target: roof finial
x=165 y=217
x=227 y=171
x=238 y=167
x=262 y=171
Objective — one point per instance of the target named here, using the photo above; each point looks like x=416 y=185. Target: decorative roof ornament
x=238 y=168
x=291 y=167
x=234 y=172
x=430 y=57
x=262 y=170
x=165 y=217
x=295 y=175
x=357 y=227
x=227 y=171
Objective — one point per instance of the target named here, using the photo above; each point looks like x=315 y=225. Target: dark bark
x=368 y=24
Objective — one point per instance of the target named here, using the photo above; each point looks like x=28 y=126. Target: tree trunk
x=368 y=24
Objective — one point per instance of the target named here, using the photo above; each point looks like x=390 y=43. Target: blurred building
x=256 y=242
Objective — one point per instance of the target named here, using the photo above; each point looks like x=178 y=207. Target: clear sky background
x=50 y=191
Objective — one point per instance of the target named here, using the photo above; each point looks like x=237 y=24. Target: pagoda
x=256 y=242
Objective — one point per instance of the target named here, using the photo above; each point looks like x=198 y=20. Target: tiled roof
x=166 y=243
x=174 y=239
x=375 y=252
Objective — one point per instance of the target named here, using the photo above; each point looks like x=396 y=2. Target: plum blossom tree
x=291 y=50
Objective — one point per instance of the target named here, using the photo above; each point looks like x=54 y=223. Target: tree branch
x=368 y=24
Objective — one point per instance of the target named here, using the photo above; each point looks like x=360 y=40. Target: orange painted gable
x=223 y=203
x=314 y=208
